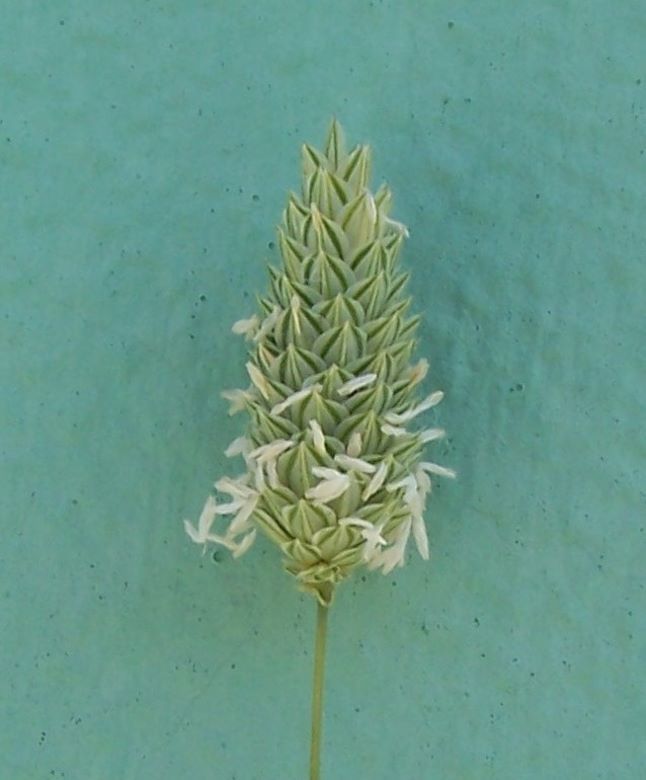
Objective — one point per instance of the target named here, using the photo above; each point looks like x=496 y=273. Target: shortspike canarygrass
x=333 y=474
x=333 y=463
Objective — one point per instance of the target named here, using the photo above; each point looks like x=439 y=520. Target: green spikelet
x=334 y=474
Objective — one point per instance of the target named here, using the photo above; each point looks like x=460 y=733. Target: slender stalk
x=317 y=691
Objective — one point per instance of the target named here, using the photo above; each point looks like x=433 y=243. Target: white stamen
x=230 y=507
x=420 y=535
x=370 y=532
x=355 y=464
x=374 y=540
x=202 y=534
x=217 y=539
x=193 y=532
x=352 y=385
x=358 y=521
x=423 y=481
x=432 y=400
x=393 y=556
x=237 y=398
x=392 y=486
x=207 y=516
x=431 y=434
x=419 y=371
x=326 y=473
x=328 y=490
x=434 y=468
x=392 y=430
x=268 y=323
x=294 y=398
x=330 y=487
x=258 y=378
x=240 y=522
x=408 y=483
x=245 y=544
x=239 y=446
x=271 y=451
x=234 y=487
x=246 y=327
x=415 y=501
x=376 y=482
x=318 y=437
x=354 y=445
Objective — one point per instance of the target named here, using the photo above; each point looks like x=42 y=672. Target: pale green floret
x=334 y=476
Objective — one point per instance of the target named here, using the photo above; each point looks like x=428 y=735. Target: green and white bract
x=333 y=472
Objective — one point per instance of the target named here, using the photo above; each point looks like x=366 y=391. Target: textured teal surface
x=146 y=149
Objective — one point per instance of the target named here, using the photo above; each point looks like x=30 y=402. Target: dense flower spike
x=333 y=474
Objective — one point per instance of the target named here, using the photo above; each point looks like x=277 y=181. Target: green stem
x=317 y=692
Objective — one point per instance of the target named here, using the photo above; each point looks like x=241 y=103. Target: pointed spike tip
x=335 y=144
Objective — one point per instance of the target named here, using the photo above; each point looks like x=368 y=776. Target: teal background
x=146 y=150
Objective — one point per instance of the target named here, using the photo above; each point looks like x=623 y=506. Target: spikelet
x=333 y=469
